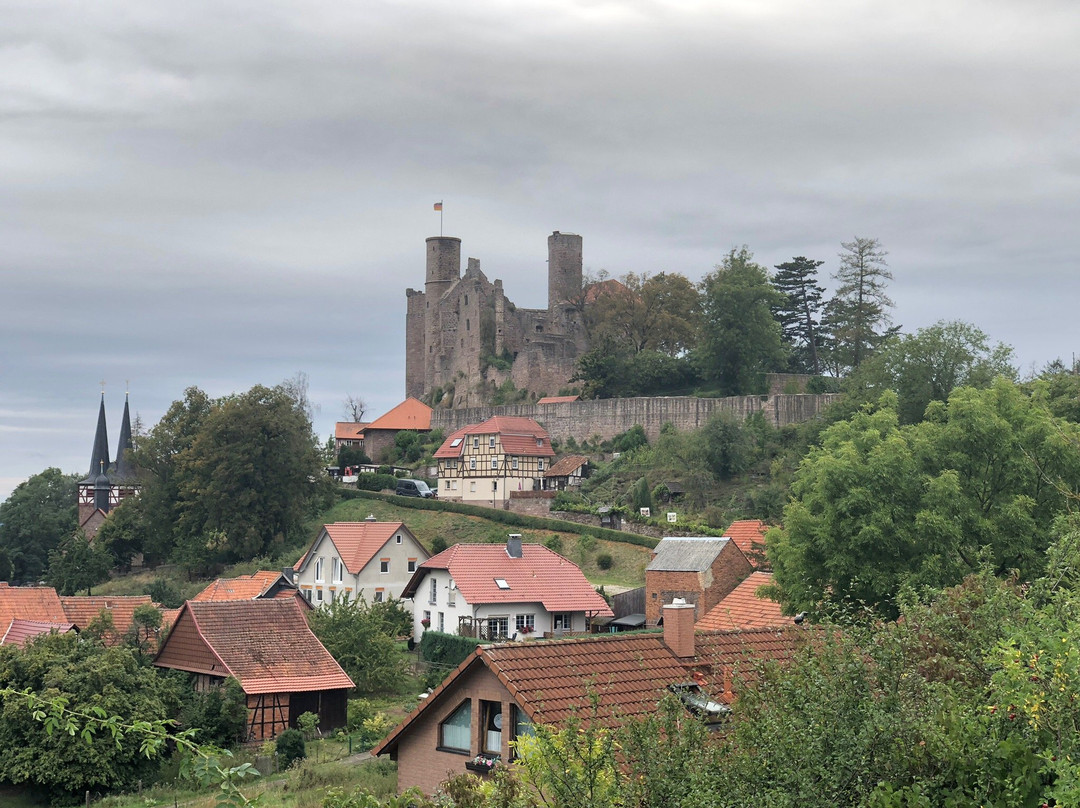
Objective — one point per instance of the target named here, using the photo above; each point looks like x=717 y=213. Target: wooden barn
x=267 y=647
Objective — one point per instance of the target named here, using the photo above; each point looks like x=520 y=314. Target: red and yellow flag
x=438 y=206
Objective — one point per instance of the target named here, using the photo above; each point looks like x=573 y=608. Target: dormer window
x=539 y=443
x=501 y=583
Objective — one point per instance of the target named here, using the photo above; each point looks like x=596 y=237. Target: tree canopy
x=35 y=519
x=857 y=317
x=878 y=505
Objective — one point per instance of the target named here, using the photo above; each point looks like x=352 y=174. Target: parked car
x=413 y=488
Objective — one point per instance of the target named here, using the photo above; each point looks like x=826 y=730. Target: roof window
x=455 y=443
x=501 y=583
x=699 y=703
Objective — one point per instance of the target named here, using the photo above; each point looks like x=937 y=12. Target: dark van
x=413 y=488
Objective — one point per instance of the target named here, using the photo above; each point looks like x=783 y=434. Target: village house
x=566 y=473
x=349 y=434
x=26 y=611
x=700 y=570
x=485 y=462
x=411 y=415
x=742 y=608
x=472 y=719
x=261 y=584
x=749 y=536
x=497 y=591
x=369 y=559
x=267 y=646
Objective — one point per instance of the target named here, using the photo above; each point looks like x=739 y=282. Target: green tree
x=878 y=505
x=217 y=716
x=643 y=312
x=88 y=678
x=929 y=364
x=741 y=339
x=799 y=311
x=78 y=564
x=40 y=513
x=857 y=317
x=363 y=639
x=726 y=446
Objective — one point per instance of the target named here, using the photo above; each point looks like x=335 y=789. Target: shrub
x=446 y=649
x=308 y=724
x=290 y=747
x=358 y=711
x=604 y=561
x=554 y=544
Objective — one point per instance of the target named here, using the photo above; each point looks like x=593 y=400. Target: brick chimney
x=679 y=628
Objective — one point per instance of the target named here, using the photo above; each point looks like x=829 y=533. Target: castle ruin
x=464 y=338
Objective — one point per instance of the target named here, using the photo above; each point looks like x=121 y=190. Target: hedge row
x=506 y=517
x=446 y=649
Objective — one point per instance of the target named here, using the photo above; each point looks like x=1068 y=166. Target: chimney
x=679 y=628
x=371 y=518
x=513 y=545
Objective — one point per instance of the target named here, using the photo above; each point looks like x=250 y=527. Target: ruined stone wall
x=612 y=416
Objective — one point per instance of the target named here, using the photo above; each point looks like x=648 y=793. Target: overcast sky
x=224 y=194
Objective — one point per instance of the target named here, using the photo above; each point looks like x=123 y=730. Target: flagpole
x=440 y=218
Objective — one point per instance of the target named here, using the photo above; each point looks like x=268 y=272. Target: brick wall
x=703 y=589
x=532 y=503
x=728 y=571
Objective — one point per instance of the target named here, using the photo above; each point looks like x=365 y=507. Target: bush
x=358 y=711
x=554 y=544
x=367 y=481
x=446 y=649
x=290 y=747
x=604 y=561
x=630 y=439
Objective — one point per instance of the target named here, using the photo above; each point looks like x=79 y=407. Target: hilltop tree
x=858 y=314
x=741 y=339
x=77 y=564
x=354 y=408
x=35 y=519
x=799 y=312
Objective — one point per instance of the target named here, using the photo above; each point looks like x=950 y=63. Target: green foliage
x=76 y=564
x=878 y=505
x=438 y=544
x=446 y=649
x=727 y=446
x=604 y=561
x=799 y=312
x=366 y=481
x=857 y=319
x=928 y=365
x=640 y=496
x=554 y=543
x=308 y=724
x=362 y=639
x=164 y=592
x=630 y=439
x=218 y=716
x=66 y=758
x=290 y=747
x=38 y=515
x=741 y=340
x=351 y=456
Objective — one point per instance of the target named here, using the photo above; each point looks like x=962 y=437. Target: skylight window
x=501 y=583
x=455 y=443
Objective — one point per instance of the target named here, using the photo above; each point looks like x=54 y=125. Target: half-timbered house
x=267 y=646
x=485 y=462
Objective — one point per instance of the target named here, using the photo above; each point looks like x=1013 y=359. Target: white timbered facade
x=486 y=462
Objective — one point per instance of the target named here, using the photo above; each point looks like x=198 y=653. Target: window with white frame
x=442 y=622
x=384 y=565
x=525 y=623
x=498 y=628
x=433 y=595
x=412 y=565
x=319 y=569
x=336 y=566
x=476 y=443
x=318 y=596
x=451 y=594
x=472 y=463
x=564 y=621
x=495 y=463
x=539 y=442
x=513 y=462
x=379 y=592
x=397 y=539
x=491 y=442
x=540 y=464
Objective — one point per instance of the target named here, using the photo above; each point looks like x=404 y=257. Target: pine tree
x=800 y=311
x=858 y=313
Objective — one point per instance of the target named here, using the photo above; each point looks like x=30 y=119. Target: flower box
x=482 y=764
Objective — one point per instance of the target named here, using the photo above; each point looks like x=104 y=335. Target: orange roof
x=409 y=414
x=627 y=674
x=40 y=603
x=743 y=609
x=749 y=536
x=356 y=542
x=539 y=576
x=349 y=430
x=83 y=610
x=20 y=631
x=557 y=399
x=518 y=436
x=265 y=644
x=566 y=465
x=246 y=587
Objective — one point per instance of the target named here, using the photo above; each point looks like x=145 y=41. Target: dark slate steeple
x=99 y=460
x=124 y=469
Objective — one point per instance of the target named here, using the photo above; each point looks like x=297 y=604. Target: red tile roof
x=557 y=399
x=349 y=430
x=40 y=603
x=742 y=609
x=551 y=680
x=539 y=576
x=517 y=435
x=356 y=542
x=22 y=630
x=265 y=644
x=749 y=536
x=83 y=610
x=247 y=587
x=409 y=414
x=566 y=466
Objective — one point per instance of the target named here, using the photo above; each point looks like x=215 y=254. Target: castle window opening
x=466 y=324
x=539 y=329
x=466 y=300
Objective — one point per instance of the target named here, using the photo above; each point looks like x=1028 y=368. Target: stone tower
x=564 y=268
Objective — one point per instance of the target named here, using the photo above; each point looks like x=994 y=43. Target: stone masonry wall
x=609 y=417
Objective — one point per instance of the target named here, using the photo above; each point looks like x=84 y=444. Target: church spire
x=100 y=457
x=125 y=470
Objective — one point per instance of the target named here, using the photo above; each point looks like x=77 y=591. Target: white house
x=499 y=591
x=369 y=558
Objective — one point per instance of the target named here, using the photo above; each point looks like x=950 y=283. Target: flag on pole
x=438 y=206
